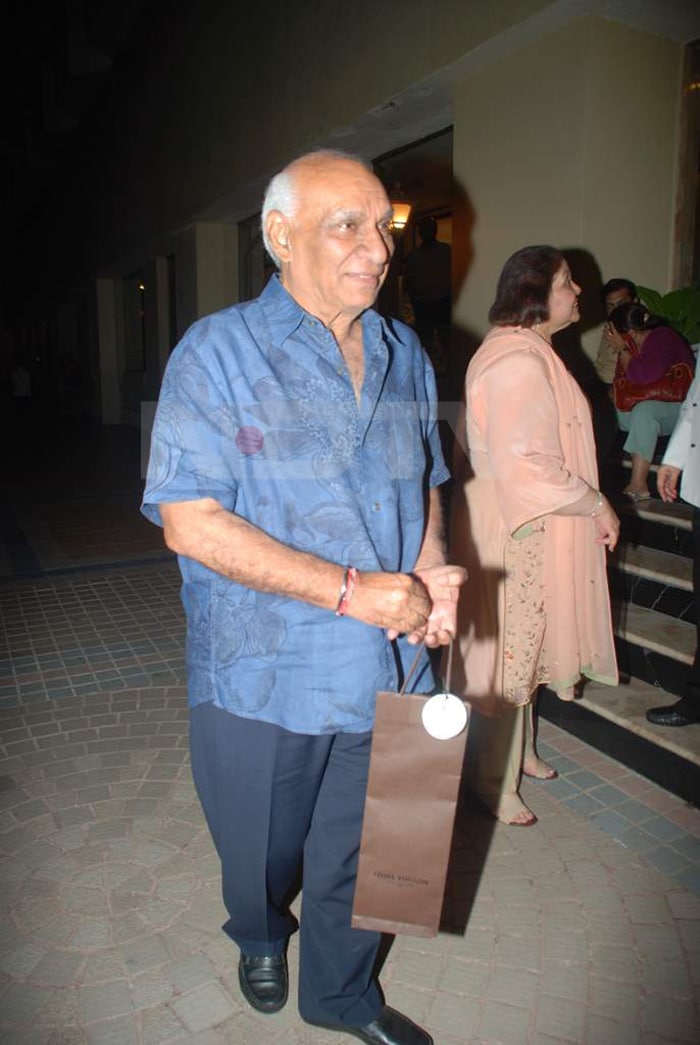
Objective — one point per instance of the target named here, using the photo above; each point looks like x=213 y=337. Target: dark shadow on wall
x=567 y=343
x=463 y=340
x=568 y=346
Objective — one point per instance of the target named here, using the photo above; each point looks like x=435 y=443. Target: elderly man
x=294 y=466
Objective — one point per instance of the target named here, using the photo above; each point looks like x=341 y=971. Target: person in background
x=646 y=349
x=295 y=466
x=428 y=283
x=614 y=292
x=682 y=461
x=531 y=527
x=618 y=291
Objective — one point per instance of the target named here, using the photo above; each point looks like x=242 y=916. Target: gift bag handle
x=416 y=661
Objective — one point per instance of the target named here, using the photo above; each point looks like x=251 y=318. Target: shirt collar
x=280 y=308
x=286 y=315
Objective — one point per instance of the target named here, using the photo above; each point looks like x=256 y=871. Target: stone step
x=655 y=631
x=654 y=524
x=626 y=705
x=653 y=564
x=671 y=602
x=612 y=719
x=678 y=515
x=653 y=646
x=651 y=585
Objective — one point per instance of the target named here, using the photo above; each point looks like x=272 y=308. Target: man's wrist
x=350 y=578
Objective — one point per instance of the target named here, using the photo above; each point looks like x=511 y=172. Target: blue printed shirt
x=257 y=411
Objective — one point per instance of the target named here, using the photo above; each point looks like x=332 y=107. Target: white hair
x=282 y=195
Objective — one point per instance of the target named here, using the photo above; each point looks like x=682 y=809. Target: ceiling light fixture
x=401 y=208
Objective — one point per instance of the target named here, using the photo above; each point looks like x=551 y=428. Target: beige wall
x=572 y=141
x=631 y=147
x=184 y=144
x=215 y=96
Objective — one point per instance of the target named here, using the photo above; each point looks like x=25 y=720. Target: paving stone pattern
x=583 y=930
x=91 y=631
x=111 y=910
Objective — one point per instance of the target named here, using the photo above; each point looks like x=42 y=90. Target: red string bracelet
x=350 y=578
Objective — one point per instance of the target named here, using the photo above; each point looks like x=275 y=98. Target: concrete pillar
x=216 y=247
x=206 y=271
x=108 y=336
x=163 y=333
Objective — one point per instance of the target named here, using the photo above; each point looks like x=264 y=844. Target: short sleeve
x=193 y=452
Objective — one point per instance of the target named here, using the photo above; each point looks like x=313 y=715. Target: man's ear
x=277 y=229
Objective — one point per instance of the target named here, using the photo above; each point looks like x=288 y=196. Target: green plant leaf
x=680 y=307
x=651 y=298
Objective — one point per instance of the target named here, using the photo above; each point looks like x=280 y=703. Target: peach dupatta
x=536 y=606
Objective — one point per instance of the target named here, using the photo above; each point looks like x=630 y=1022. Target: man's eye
x=348 y=226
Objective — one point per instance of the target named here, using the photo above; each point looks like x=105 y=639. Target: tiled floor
x=663 y=829
x=110 y=908
x=90 y=631
x=584 y=929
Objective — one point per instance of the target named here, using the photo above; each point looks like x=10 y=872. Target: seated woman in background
x=655 y=366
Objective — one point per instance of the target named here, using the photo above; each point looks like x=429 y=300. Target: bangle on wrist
x=350 y=578
x=599 y=502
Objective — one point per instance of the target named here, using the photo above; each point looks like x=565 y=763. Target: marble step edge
x=654 y=564
x=653 y=510
x=626 y=706
x=655 y=631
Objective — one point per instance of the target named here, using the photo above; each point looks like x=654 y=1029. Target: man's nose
x=379 y=245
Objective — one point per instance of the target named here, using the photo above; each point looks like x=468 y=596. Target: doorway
x=418 y=287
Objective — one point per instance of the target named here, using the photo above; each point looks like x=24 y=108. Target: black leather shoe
x=389 y=1028
x=671 y=715
x=264 y=981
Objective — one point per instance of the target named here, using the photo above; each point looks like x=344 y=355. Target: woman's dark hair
x=522 y=294
x=632 y=315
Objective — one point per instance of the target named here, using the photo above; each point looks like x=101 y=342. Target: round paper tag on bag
x=444 y=716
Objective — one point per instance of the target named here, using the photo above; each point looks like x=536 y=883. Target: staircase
x=650 y=577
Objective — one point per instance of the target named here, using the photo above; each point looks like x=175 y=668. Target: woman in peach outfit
x=531 y=526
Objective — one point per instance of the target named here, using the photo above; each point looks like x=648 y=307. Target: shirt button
x=376 y=506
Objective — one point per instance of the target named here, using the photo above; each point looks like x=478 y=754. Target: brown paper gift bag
x=409 y=816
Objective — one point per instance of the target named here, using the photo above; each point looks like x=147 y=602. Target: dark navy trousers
x=276 y=802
